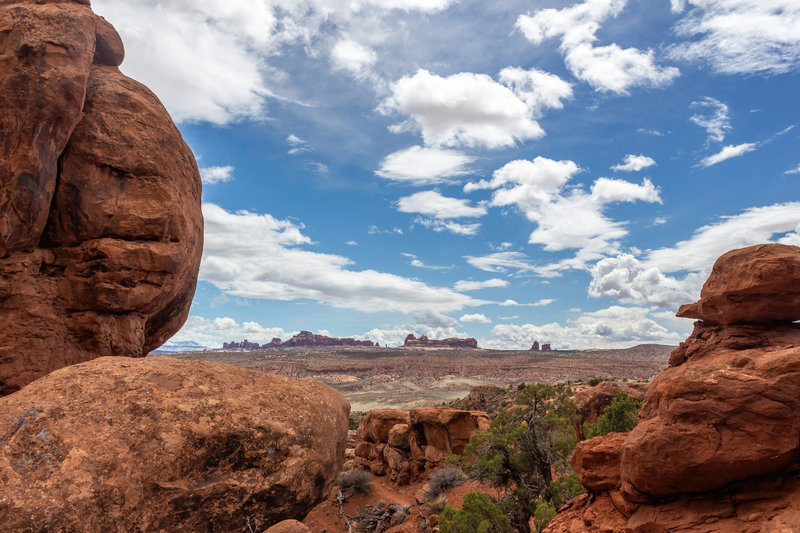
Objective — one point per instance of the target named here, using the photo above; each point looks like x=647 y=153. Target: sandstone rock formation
x=718 y=444
x=160 y=444
x=100 y=222
x=424 y=342
x=304 y=338
x=404 y=445
x=535 y=346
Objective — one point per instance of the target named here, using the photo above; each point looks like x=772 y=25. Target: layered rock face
x=302 y=339
x=592 y=402
x=159 y=444
x=100 y=221
x=425 y=342
x=404 y=445
x=718 y=444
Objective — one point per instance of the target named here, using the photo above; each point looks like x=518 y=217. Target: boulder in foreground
x=159 y=444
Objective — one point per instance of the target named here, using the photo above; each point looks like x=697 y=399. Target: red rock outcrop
x=424 y=342
x=404 y=445
x=535 y=346
x=160 y=444
x=718 y=444
x=100 y=222
x=757 y=284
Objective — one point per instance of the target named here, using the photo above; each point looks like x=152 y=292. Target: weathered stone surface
x=375 y=425
x=399 y=437
x=592 y=402
x=100 y=221
x=442 y=431
x=754 y=284
x=596 y=462
x=159 y=444
x=727 y=416
x=289 y=526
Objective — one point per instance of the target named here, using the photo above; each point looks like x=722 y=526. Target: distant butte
x=424 y=342
x=304 y=338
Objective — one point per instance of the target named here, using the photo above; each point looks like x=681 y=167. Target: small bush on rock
x=358 y=480
x=619 y=417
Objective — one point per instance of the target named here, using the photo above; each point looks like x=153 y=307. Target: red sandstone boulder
x=399 y=437
x=376 y=424
x=442 y=431
x=596 y=462
x=100 y=222
x=755 y=284
x=159 y=444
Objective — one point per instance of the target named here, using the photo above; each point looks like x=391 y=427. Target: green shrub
x=594 y=381
x=542 y=515
x=619 y=417
x=478 y=514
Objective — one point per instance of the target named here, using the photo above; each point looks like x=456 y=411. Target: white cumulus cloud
x=423 y=165
x=608 y=68
x=214 y=175
x=468 y=109
x=477 y=318
x=432 y=203
x=614 y=327
x=466 y=285
x=669 y=277
x=713 y=116
x=634 y=163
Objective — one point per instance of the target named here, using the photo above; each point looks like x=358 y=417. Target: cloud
x=634 y=163
x=211 y=333
x=214 y=175
x=415 y=262
x=543 y=302
x=793 y=170
x=669 y=277
x=501 y=262
x=606 y=68
x=713 y=117
x=463 y=285
x=728 y=152
x=353 y=57
x=565 y=217
x=432 y=203
x=298 y=145
x=740 y=36
x=614 y=327
x=434 y=320
x=440 y=226
x=473 y=110
x=257 y=256
x=217 y=60
x=476 y=319
x=421 y=166
x=655 y=133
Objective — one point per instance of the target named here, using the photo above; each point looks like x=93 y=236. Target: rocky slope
x=100 y=222
x=718 y=444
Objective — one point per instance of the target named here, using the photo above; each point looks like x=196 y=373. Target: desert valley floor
x=373 y=378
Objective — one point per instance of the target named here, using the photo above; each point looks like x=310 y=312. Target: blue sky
x=513 y=171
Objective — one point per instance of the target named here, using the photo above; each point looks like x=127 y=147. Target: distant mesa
x=544 y=348
x=304 y=338
x=453 y=342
